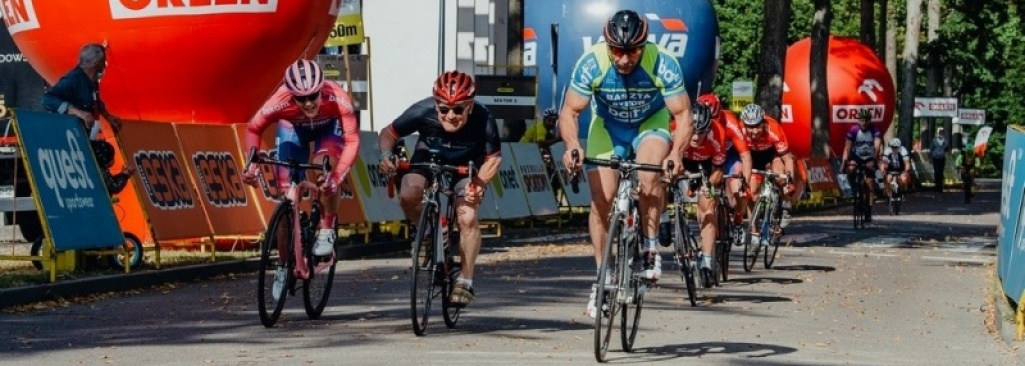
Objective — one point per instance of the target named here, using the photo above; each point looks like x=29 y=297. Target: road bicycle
x=287 y=245
x=896 y=194
x=728 y=233
x=685 y=245
x=859 y=202
x=620 y=287
x=765 y=222
x=436 y=243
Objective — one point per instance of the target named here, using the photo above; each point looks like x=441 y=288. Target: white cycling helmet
x=894 y=142
x=752 y=115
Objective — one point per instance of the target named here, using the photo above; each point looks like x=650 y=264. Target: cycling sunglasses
x=444 y=109
x=620 y=52
x=306 y=98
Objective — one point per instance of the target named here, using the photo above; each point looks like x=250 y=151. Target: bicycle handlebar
x=769 y=174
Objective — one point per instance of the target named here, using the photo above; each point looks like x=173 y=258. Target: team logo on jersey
x=220 y=179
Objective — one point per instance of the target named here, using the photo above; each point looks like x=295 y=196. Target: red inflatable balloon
x=858 y=80
x=202 y=61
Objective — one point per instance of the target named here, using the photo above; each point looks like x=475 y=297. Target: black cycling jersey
x=476 y=140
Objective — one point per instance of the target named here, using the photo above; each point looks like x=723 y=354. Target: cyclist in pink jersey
x=309 y=109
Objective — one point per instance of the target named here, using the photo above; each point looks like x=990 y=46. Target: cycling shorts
x=294 y=143
x=761 y=159
x=604 y=136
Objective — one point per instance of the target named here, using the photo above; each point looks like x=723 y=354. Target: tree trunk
x=891 y=40
x=933 y=72
x=868 y=21
x=819 y=88
x=514 y=38
x=907 y=103
x=773 y=58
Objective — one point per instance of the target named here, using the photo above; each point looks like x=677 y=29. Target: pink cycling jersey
x=334 y=104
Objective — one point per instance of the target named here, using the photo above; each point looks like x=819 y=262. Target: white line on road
x=967 y=260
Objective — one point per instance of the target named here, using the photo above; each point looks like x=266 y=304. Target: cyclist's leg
x=292 y=145
x=707 y=222
x=603 y=183
x=469 y=243
x=887 y=180
x=411 y=193
x=735 y=186
x=870 y=177
x=652 y=147
x=328 y=143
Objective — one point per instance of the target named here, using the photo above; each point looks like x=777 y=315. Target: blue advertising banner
x=66 y=179
x=687 y=29
x=1011 y=256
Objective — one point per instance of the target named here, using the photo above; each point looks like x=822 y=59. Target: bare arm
x=679 y=107
x=488 y=170
x=569 y=125
x=846 y=150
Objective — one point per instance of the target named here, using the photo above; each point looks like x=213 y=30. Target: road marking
x=966 y=260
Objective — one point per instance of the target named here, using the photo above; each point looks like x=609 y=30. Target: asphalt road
x=908 y=290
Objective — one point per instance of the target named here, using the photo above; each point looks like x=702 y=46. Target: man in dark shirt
x=459 y=130
x=77 y=93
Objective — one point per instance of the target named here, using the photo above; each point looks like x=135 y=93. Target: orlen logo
x=219 y=178
x=849 y=113
x=673 y=40
x=19 y=15
x=164 y=180
x=530 y=47
x=130 y=9
x=64 y=169
x=786 y=114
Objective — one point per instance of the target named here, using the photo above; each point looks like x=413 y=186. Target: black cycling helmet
x=702 y=117
x=626 y=29
x=865 y=115
x=550 y=113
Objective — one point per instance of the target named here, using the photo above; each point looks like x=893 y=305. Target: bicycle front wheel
x=422 y=290
x=451 y=269
x=608 y=290
x=633 y=294
x=775 y=234
x=753 y=243
x=685 y=248
x=279 y=233
x=722 y=245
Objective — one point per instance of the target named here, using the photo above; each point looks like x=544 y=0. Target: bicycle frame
x=770 y=196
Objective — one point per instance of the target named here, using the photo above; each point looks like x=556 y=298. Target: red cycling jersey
x=772 y=136
x=712 y=148
x=334 y=104
x=735 y=136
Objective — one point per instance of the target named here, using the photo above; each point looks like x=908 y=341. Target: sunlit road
x=909 y=290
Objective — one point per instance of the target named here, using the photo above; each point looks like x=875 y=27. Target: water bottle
x=665 y=230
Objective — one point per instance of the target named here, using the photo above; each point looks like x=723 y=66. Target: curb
x=67 y=289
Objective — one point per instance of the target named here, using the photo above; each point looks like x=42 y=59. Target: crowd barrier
x=1011 y=229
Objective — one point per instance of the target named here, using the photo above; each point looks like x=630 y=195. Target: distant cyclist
x=861 y=148
x=895 y=160
x=769 y=151
x=634 y=86
x=460 y=130
x=738 y=153
x=309 y=109
x=706 y=151
x=544 y=132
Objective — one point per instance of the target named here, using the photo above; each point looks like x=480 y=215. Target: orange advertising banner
x=216 y=168
x=168 y=195
x=820 y=176
x=349 y=210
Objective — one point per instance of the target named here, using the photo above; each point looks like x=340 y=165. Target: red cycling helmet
x=712 y=101
x=304 y=78
x=453 y=87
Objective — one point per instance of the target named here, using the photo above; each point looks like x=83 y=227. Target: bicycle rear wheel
x=634 y=294
x=753 y=245
x=279 y=233
x=606 y=300
x=422 y=290
x=685 y=246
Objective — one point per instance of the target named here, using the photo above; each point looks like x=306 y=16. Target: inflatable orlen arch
x=185 y=61
x=857 y=80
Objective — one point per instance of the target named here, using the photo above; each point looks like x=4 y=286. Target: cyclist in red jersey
x=769 y=150
x=706 y=153
x=738 y=154
x=309 y=109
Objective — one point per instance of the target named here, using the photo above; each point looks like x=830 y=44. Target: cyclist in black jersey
x=460 y=130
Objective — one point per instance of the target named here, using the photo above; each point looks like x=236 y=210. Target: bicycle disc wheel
x=422 y=289
x=753 y=244
x=775 y=235
x=685 y=245
x=449 y=313
x=279 y=231
x=634 y=296
x=608 y=290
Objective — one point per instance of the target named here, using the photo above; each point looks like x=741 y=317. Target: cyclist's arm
x=846 y=150
x=493 y=149
x=263 y=119
x=679 y=106
x=532 y=135
x=788 y=165
x=569 y=128
x=350 y=136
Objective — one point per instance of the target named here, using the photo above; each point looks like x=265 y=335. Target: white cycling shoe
x=325 y=242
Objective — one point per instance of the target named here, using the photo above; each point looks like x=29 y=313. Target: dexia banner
x=687 y=29
x=67 y=182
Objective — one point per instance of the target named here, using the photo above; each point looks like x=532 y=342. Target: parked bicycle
x=766 y=217
x=286 y=252
x=436 y=244
x=621 y=288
